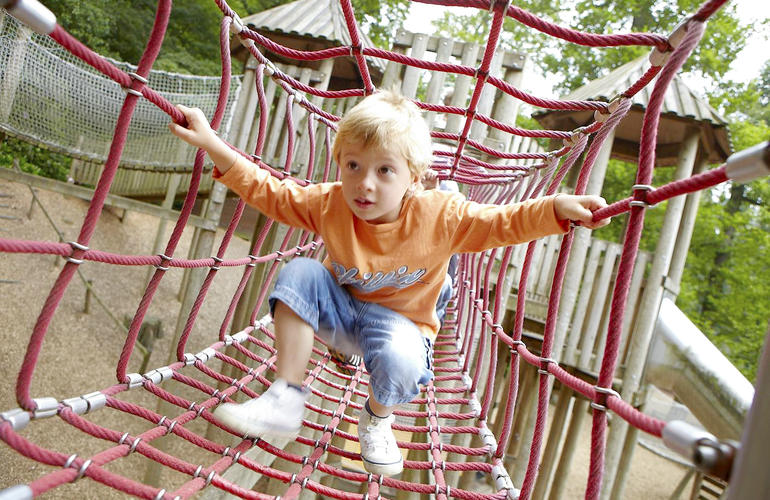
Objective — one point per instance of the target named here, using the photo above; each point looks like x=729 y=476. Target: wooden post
x=204 y=248
x=555 y=439
x=579 y=412
x=168 y=202
x=436 y=85
x=616 y=466
x=87 y=301
x=684 y=236
x=462 y=84
x=411 y=74
x=245 y=106
x=478 y=129
x=507 y=107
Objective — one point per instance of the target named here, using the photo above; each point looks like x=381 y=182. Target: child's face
x=374 y=181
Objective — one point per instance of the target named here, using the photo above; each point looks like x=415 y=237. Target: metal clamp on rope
x=700 y=447
x=163 y=258
x=270 y=68
x=252 y=258
x=217 y=261
x=658 y=57
x=515 y=344
x=75 y=246
x=501 y=478
x=749 y=164
x=206 y=354
x=488 y=438
x=543 y=370
x=134 y=380
x=32 y=13
x=237 y=25
x=159 y=374
x=601 y=397
x=82 y=470
x=475 y=406
x=601 y=116
x=644 y=188
x=240 y=337
x=573 y=139
x=45 y=407
x=494 y=3
x=86 y=403
x=17 y=417
x=189 y=359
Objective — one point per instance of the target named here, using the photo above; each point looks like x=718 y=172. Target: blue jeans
x=397 y=355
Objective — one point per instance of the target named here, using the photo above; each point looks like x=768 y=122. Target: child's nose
x=366 y=183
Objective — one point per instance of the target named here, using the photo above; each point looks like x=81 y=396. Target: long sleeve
x=283 y=200
x=475 y=227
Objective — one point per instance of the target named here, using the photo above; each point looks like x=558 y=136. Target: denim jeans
x=398 y=357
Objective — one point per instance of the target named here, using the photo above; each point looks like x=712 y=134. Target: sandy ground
x=81 y=350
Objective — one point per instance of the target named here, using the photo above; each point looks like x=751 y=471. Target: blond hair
x=387 y=120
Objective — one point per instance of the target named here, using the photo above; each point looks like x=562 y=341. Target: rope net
x=454 y=425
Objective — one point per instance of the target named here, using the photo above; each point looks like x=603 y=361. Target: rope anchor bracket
x=659 y=57
x=705 y=451
x=33 y=14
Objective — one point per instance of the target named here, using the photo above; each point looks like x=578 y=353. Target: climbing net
x=454 y=423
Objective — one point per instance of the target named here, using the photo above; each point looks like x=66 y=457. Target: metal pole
x=750 y=480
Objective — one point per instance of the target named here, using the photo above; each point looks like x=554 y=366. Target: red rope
x=466 y=364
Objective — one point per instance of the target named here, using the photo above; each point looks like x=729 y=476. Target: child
x=388 y=247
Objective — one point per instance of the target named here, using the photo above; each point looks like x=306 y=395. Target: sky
x=745 y=67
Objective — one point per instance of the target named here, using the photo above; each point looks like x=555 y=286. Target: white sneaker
x=379 y=450
x=277 y=412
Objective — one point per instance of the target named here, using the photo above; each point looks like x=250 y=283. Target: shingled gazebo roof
x=682 y=108
x=312 y=25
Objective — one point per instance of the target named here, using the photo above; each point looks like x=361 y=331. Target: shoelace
x=376 y=435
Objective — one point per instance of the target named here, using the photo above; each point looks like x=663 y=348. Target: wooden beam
x=85 y=193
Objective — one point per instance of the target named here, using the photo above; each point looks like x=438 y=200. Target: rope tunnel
x=462 y=426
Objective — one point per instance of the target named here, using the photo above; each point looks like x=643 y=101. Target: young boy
x=388 y=246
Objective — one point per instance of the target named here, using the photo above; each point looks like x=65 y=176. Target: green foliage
x=725 y=284
x=380 y=19
x=120 y=28
x=33 y=159
x=619 y=178
x=574 y=65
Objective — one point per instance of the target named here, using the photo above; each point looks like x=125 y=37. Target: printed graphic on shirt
x=369 y=282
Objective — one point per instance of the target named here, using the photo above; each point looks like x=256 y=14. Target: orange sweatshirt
x=400 y=265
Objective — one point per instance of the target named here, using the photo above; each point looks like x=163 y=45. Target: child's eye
x=385 y=170
x=352 y=165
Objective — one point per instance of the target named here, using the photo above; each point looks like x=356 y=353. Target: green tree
x=120 y=28
x=573 y=65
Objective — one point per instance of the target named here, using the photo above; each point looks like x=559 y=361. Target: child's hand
x=580 y=208
x=198 y=132
x=429 y=179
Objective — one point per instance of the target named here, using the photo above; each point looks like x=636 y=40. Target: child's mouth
x=361 y=203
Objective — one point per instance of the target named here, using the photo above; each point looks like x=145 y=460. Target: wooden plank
x=590 y=330
x=586 y=286
x=436 y=85
x=513 y=60
x=412 y=74
x=462 y=83
x=112 y=200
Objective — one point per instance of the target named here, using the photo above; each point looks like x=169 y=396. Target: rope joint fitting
x=660 y=57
